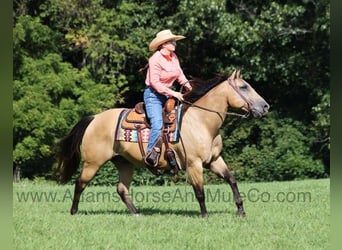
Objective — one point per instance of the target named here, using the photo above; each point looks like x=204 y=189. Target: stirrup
x=171 y=158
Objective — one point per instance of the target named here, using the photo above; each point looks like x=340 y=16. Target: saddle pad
x=131 y=134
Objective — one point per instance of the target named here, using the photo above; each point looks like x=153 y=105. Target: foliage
x=272 y=148
x=73 y=58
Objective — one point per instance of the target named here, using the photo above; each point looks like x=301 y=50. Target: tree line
x=75 y=58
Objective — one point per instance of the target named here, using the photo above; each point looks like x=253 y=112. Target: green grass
x=171 y=219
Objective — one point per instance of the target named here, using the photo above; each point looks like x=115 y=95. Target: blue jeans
x=154 y=103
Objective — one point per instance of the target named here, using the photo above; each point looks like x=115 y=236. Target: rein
x=215 y=111
x=225 y=113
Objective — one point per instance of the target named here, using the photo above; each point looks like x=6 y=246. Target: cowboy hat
x=162 y=37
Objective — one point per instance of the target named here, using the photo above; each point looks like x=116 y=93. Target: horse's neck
x=215 y=101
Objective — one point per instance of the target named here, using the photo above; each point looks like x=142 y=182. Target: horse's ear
x=238 y=74
x=233 y=75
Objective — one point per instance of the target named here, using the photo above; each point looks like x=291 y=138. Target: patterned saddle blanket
x=134 y=121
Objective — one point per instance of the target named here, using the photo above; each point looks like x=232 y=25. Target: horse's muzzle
x=260 y=110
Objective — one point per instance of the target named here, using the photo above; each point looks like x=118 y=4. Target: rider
x=163 y=70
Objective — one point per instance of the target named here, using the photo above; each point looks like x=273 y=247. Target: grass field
x=280 y=215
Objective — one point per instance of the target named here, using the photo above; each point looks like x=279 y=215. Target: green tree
x=49 y=96
x=47 y=100
x=271 y=148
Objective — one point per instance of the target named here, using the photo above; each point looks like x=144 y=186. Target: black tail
x=68 y=151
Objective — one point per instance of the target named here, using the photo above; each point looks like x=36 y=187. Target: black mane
x=201 y=87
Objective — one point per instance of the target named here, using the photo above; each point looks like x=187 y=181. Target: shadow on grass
x=155 y=211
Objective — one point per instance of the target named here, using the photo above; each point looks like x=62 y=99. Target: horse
x=206 y=106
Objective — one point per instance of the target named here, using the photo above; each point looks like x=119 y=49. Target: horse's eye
x=243 y=87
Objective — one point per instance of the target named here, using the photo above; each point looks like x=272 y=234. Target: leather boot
x=152 y=158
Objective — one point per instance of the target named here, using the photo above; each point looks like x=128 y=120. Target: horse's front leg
x=220 y=168
x=195 y=173
x=125 y=177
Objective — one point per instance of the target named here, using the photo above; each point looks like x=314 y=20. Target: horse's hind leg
x=125 y=177
x=88 y=172
x=220 y=168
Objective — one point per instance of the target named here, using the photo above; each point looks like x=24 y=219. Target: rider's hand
x=179 y=96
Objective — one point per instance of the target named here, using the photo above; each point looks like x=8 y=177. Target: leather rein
x=234 y=86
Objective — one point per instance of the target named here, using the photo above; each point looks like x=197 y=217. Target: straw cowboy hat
x=162 y=37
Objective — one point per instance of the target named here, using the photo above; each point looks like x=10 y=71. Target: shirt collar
x=168 y=57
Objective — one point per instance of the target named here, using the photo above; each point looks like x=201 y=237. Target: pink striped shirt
x=163 y=70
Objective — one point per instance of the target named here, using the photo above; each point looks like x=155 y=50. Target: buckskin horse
x=92 y=140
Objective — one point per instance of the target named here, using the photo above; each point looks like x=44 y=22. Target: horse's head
x=243 y=96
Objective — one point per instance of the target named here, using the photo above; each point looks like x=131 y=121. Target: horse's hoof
x=205 y=215
x=73 y=211
x=240 y=213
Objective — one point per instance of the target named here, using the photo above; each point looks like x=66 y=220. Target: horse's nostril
x=266 y=107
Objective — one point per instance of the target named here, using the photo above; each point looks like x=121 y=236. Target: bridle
x=237 y=90
x=231 y=83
